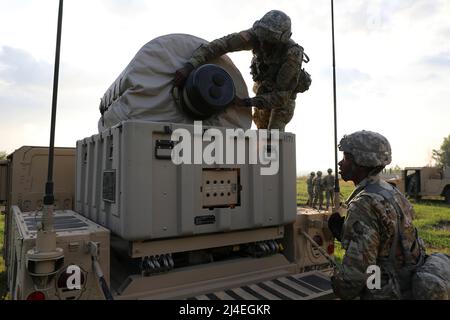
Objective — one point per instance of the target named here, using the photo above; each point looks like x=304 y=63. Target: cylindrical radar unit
x=209 y=90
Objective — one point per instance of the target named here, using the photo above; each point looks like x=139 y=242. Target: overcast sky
x=393 y=66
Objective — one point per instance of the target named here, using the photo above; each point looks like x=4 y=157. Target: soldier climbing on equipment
x=276 y=68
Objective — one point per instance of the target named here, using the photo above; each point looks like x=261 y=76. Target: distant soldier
x=329 y=187
x=318 y=190
x=309 y=183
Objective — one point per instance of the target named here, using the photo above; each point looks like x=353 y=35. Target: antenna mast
x=336 y=175
x=49 y=198
x=45 y=259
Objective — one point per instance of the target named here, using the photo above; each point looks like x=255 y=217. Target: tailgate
x=302 y=286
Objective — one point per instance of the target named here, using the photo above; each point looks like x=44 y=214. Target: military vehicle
x=418 y=182
x=127 y=222
x=243 y=249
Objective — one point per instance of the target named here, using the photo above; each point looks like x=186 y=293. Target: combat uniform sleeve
x=361 y=240
x=216 y=48
x=286 y=82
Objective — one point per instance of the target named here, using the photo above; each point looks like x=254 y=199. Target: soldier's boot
x=279 y=117
x=321 y=203
x=261 y=118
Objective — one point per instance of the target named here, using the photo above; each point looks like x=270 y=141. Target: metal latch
x=163 y=149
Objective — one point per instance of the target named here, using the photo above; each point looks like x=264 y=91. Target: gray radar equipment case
x=127 y=182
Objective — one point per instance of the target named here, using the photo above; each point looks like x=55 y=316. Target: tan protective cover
x=144 y=89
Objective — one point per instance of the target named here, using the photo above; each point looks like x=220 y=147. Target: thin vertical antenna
x=336 y=176
x=49 y=198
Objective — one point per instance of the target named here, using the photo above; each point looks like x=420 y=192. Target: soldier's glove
x=335 y=224
x=247 y=102
x=182 y=74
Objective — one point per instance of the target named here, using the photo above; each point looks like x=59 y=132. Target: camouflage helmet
x=274 y=26
x=319 y=173
x=312 y=173
x=330 y=170
x=369 y=149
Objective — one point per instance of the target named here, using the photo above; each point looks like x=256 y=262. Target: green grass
x=433 y=222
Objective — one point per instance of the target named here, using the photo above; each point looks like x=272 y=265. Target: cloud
x=17 y=66
x=25 y=93
x=445 y=32
x=367 y=16
x=438 y=60
x=380 y=15
x=347 y=76
x=425 y=8
x=129 y=7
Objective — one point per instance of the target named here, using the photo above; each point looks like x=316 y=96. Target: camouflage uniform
x=378 y=228
x=310 y=186
x=328 y=183
x=318 y=190
x=367 y=236
x=275 y=73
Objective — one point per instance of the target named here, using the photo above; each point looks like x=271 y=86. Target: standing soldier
x=309 y=183
x=275 y=68
x=318 y=190
x=329 y=187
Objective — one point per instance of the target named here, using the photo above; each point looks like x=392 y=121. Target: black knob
x=219 y=79
x=215 y=92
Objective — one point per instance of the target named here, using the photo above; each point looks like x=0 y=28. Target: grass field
x=432 y=220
